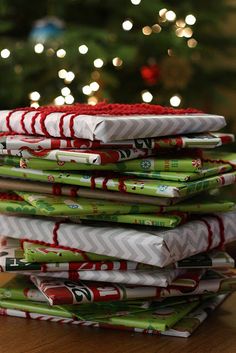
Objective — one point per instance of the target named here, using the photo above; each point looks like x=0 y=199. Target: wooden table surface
x=216 y=335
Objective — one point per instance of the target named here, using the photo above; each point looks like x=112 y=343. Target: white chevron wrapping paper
x=107 y=128
x=154 y=247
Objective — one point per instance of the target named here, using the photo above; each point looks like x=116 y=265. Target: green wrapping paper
x=186 y=326
x=9 y=160
x=157 y=220
x=62 y=206
x=183 y=328
x=42 y=253
x=84 y=192
x=175 y=214
x=12 y=260
x=160 y=319
x=162 y=314
x=88 y=209
x=131 y=185
x=220 y=157
x=167 y=164
x=209 y=169
x=21 y=288
x=59 y=205
x=11 y=206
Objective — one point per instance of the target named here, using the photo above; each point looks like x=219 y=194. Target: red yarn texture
x=103 y=109
x=110 y=109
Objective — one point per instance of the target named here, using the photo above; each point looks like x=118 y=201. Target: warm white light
x=147 y=97
x=187 y=32
x=162 y=12
x=127 y=25
x=179 y=32
x=92 y=100
x=61 y=53
x=65 y=91
x=180 y=23
x=34 y=96
x=62 y=73
x=83 y=49
x=69 y=77
x=5 y=53
x=94 y=86
x=192 y=43
x=156 y=28
x=135 y=2
x=117 y=61
x=69 y=99
x=190 y=20
x=39 y=48
x=59 y=100
x=175 y=101
x=98 y=63
x=34 y=105
x=87 y=90
x=147 y=30
x=170 y=16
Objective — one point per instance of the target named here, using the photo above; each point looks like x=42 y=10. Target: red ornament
x=150 y=74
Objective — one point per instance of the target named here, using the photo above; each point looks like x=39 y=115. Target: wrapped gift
x=59 y=291
x=151 y=246
x=221 y=157
x=152 y=277
x=20 y=288
x=41 y=253
x=183 y=328
x=126 y=184
x=107 y=122
x=206 y=140
x=188 y=325
x=212 y=259
x=77 y=191
x=141 y=165
x=208 y=169
x=90 y=157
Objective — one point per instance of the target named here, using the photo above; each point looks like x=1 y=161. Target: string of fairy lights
x=183 y=28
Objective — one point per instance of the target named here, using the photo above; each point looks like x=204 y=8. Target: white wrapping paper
x=113 y=128
x=150 y=246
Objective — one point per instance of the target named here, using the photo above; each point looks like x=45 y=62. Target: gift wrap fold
x=60 y=292
x=205 y=140
x=106 y=128
x=150 y=246
x=88 y=157
x=183 y=328
x=124 y=184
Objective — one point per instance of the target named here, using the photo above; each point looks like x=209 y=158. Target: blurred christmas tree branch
x=130 y=50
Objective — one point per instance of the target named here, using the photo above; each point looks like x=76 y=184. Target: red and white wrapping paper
x=160 y=278
x=206 y=140
x=106 y=127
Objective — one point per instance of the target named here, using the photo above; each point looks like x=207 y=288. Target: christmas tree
x=70 y=51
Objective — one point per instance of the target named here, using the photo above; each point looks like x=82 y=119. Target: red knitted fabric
x=103 y=109
x=110 y=109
